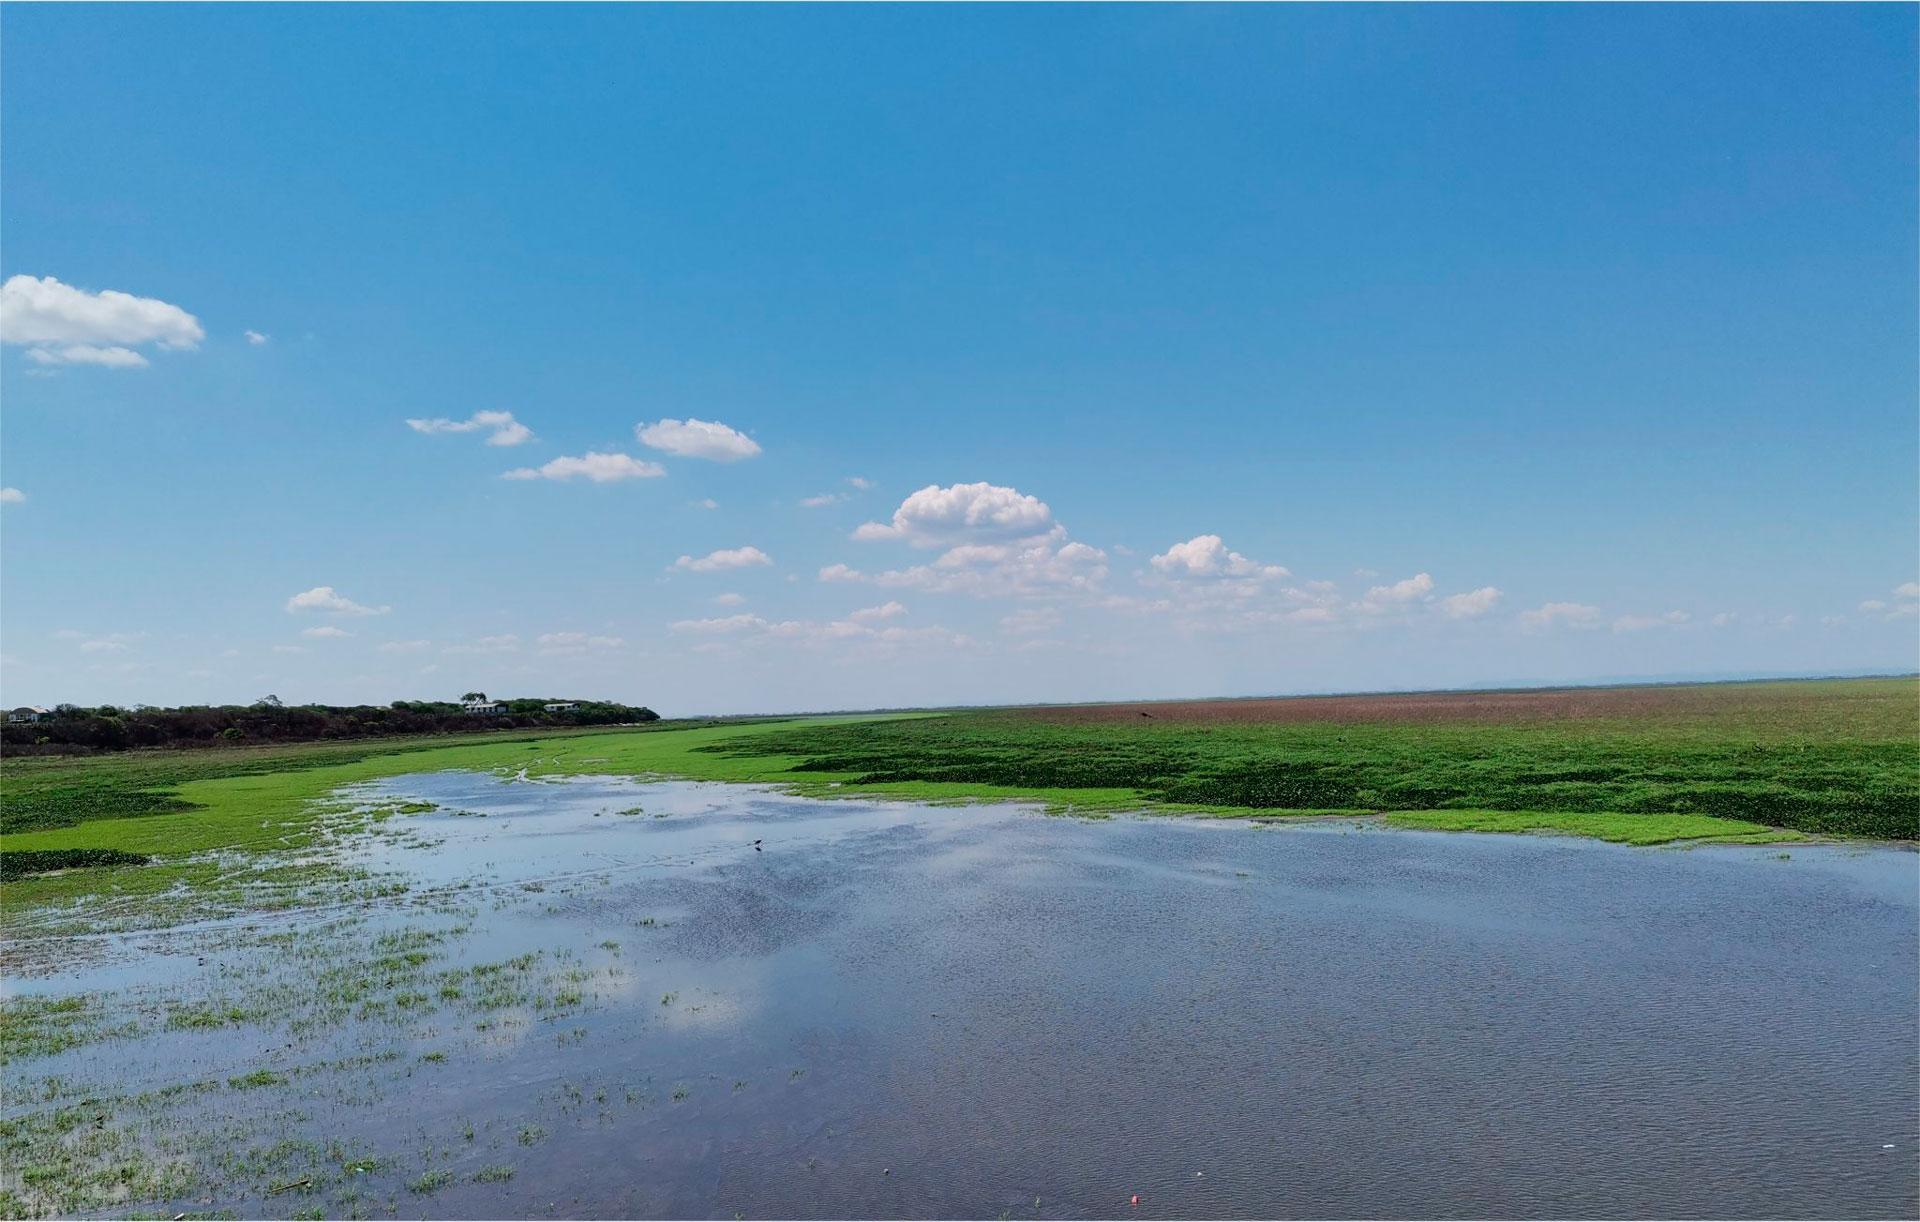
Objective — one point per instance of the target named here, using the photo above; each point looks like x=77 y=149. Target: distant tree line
x=71 y=729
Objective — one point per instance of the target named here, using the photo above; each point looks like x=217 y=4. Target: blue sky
x=1243 y=350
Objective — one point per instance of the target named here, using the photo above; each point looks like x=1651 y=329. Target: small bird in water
x=756 y=846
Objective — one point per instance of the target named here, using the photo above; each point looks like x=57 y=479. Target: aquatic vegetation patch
x=34 y=1026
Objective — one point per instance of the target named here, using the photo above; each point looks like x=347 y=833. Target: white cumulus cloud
x=1412 y=589
x=326 y=598
x=501 y=428
x=963 y=513
x=708 y=439
x=1472 y=604
x=11 y=496
x=593 y=465
x=326 y=632
x=887 y=610
x=255 y=338
x=723 y=559
x=1208 y=556
x=63 y=325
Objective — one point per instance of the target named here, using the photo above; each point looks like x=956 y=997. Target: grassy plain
x=1636 y=765
x=1835 y=757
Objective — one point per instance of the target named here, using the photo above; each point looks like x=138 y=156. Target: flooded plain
x=602 y=997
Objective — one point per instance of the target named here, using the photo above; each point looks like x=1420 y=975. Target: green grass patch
x=1620 y=829
x=17 y=864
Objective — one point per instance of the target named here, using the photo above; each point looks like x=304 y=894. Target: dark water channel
x=887 y=1009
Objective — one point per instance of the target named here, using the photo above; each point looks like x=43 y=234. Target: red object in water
x=1136 y=1198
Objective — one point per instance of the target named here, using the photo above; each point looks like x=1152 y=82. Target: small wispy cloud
x=593 y=466
x=724 y=559
x=1571 y=615
x=1642 y=623
x=505 y=642
x=1904 y=602
x=331 y=601
x=576 y=642
x=88 y=354
x=501 y=428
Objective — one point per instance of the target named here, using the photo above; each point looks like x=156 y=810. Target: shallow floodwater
x=887 y=1009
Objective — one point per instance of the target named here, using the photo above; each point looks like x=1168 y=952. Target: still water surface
x=887 y=1009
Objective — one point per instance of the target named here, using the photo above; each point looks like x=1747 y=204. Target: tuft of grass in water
x=210 y=1017
x=431 y=1181
x=258 y=1078
x=497 y=1174
x=531 y=1135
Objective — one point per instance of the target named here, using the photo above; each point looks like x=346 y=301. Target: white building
x=28 y=712
x=562 y=706
x=483 y=708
